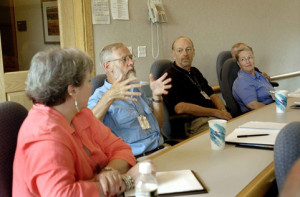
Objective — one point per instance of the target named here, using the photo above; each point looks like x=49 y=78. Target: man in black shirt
x=190 y=92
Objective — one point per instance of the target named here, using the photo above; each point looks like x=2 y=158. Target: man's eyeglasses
x=244 y=59
x=188 y=50
x=124 y=59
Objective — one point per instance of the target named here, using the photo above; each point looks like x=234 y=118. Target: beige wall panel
x=15 y=81
x=271 y=27
x=20 y=97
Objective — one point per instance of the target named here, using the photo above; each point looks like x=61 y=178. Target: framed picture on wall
x=50 y=22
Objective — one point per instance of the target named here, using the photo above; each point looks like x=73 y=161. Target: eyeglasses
x=188 y=50
x=124 y=59
x=244 y=59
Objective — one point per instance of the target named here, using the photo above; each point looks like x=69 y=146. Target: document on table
x=256 y=128
x=181 y=182
x=295 y=94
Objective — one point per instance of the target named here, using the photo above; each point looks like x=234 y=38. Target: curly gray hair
x=52 y=71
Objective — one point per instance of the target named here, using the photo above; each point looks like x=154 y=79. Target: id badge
x=205 y=95
x=144 y=123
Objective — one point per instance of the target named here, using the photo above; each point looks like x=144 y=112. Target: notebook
x=255 y=128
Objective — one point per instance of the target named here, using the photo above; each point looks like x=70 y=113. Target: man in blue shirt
x=122 y=105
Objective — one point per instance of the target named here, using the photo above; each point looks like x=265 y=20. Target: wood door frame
x=76 y=30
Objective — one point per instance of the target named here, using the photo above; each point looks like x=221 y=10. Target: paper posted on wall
x=100 y=12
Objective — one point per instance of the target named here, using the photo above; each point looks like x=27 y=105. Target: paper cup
x=281 y=100
x=217 y=129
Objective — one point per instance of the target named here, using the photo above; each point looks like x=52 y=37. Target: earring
x=76 y=105
x=71 y=94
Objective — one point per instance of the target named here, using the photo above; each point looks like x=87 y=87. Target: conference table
x=232 y=171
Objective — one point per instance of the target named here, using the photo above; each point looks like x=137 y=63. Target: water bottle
x=146 y=184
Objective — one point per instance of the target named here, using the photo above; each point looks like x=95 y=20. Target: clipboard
x=169 y=181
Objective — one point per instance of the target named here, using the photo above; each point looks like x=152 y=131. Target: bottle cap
x=145 y=168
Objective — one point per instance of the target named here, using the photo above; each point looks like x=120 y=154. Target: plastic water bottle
x=146 y=184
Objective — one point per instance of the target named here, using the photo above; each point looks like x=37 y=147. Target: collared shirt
x=247 y=88
x=184 y=89
x=122 y=119
x=50 y=159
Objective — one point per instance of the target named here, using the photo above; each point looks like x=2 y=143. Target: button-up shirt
x=122 y=119
x=247 y=88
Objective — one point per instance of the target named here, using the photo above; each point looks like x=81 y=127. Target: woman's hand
x=111 y=182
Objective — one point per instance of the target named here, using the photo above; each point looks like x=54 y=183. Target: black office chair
x=286 y=151
x=173 y=126
x=12 y=116
x=222 y=57
x=97 y=81
x=229 y=74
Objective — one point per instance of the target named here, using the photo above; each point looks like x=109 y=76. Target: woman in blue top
x=250 y=89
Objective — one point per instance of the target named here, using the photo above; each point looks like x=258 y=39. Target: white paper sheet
x=100 y=12
x=263 y=125
x=119 y=9
x=169 y=182
x=295 y=94
x=253 y=128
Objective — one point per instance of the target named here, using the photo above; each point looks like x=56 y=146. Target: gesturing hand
x=161 y=85
x=120 y=89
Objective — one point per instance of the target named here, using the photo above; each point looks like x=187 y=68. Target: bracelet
x=157 y=101
x=128 y=180
x=107 y=169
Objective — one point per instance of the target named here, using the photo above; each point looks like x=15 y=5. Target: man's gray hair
x=106 y=53
x=52 y=71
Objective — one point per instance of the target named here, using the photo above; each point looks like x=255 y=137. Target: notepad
x=295 y=94
x=254 y=128
x=171 y=183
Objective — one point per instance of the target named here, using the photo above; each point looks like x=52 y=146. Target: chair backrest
x=12 y=116
x=286 y=151
x=229 y=74
x=157 y=69
x=222 y=57
x=97 y=81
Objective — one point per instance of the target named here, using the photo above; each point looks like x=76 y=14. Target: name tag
x=144 y=123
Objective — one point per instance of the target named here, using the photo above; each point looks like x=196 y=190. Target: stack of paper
x=295 y=94
x=172 y=183
x=246 y=134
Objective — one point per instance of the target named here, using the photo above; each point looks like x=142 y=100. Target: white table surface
x=226 y=172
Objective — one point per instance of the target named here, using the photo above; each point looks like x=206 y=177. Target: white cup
x=217 y=129
x=281 y=100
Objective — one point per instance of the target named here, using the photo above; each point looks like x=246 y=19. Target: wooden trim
x=260 y=185
x=2 y=85
x=75 y=24
x=15 y=81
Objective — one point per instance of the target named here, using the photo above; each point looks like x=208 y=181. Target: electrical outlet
x=142 y=51
x=130 y=49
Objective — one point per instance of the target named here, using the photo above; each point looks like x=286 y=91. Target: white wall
x=271 y=27
x=31 y=41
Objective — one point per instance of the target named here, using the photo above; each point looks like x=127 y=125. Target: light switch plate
x=130 y=49
x=142 y=51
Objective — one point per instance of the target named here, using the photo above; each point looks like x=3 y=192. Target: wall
x=31 y=41
x=271 y=27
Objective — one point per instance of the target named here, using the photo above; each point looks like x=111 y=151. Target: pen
x=255 y=135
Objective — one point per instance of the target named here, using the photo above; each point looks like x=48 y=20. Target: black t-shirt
x=186 y=87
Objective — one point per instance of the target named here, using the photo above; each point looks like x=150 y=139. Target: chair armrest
x=181 y=116
x=274 y=84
